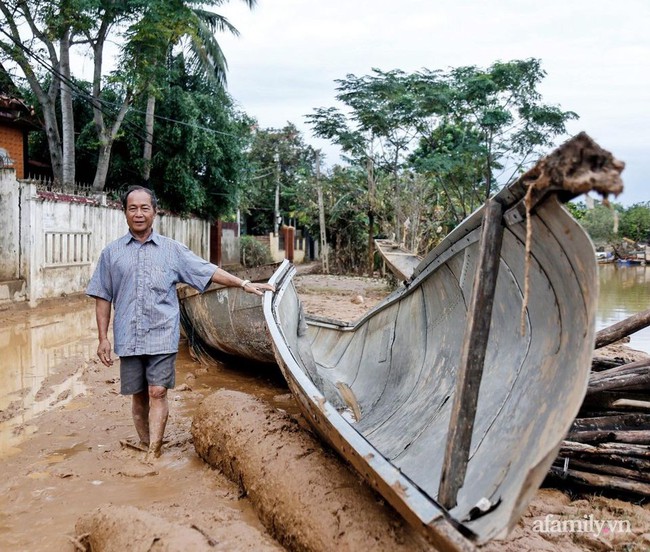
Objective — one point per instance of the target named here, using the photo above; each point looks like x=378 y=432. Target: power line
x=97 y=102
x=138 y=130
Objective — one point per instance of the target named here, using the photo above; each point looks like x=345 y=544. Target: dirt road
x=61 y=429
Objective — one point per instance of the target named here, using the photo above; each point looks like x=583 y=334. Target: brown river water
x=624 y=291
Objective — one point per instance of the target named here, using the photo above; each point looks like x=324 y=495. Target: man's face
x=139 y=212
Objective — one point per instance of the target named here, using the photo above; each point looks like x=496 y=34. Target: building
x=16 y=120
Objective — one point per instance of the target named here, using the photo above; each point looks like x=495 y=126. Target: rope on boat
x=577 y=167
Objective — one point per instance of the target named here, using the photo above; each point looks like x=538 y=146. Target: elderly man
x=138 y=273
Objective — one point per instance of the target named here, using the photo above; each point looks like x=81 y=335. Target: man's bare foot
x=134 y=444
x=154 y=451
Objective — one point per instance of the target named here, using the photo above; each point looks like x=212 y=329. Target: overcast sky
x=596 y=54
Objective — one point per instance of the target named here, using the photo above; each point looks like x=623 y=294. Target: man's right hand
x=104 y=352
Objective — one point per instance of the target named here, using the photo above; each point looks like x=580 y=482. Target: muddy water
x=60 y=440
x=43 y=352
x=35 y=345
x=624 y=291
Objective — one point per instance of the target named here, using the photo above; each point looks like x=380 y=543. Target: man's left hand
x=258 y=289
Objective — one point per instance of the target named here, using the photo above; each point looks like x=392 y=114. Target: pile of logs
x=608 y=445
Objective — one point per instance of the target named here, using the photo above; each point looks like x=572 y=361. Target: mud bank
x=118 y=528
x=305 y=497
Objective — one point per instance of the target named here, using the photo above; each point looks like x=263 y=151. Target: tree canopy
x=278 y=161
x=610 y=225
x=38 y=37
x=443 y=139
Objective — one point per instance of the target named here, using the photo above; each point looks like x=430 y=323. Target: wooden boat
x=436 y=396
x=399 y=260
x=632 y=260
x=225 y=322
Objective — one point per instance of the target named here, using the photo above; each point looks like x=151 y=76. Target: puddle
x=264 y=381
x=42 y=355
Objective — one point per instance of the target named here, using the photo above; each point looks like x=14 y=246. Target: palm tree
x=168 y=24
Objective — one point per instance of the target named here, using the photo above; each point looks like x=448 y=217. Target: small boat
x=631 y=261
x=399 y=260
x=225 y=322
x=605 y=257
x=452 y=396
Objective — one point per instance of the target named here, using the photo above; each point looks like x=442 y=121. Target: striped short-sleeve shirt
x=140 y=280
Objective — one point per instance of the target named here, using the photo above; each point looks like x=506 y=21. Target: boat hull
x=225 y=322
x=381 y=391
x=397 y=259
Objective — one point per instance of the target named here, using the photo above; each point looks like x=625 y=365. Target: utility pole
x=371 y=214
x=276 y=210
x=321 y=219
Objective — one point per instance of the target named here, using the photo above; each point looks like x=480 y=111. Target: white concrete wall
x=229 y=247
x=9 y=226
x=61 y=236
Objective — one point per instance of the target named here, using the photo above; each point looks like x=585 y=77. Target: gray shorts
x=137 y=373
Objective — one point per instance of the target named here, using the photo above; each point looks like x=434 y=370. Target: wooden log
x=607 y=482
x=635 y=374
x=622 y=368
x=612 y=422
x=640 y=437
x=639 y=451
x=603 y=457
x=606 y=469
x=632 y=403
x=623 y=401
x=630 y=462
x=470 y=368
x=622 y=329
x=599 y=363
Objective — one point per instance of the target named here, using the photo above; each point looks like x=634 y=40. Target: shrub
x=253 y=253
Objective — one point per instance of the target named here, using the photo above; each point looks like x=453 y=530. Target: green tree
x=345 y=199
x=450 y=138
x=578 y=209
x=601 y=224
x=481 y=127
x=278 y=180
x=38 y=37
x=635 y=222
x=166 y=24
x=199 y=161
x=374 y=131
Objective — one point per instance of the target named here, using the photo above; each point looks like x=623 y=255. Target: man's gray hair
x=154 y=199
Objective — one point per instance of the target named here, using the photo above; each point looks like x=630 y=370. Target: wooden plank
x=607 y=468
x=470 y=370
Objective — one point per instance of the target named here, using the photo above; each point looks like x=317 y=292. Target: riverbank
x=66 y=461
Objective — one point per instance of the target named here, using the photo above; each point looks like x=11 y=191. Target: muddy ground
x=62 y=458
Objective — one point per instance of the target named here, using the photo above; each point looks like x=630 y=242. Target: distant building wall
x=12 y=141
x=50 y=242
x=278 y=250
